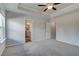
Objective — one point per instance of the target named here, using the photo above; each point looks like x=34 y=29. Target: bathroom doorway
x=27 y=31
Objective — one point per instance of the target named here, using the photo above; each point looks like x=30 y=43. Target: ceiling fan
x=50 y=6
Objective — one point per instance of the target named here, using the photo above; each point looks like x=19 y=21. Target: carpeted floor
x=42 y=48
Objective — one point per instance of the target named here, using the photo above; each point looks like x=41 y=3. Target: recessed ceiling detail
x=35 y=8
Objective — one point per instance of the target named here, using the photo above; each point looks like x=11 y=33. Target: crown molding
x=66 y=10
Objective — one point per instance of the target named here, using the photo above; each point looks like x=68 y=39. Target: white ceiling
x=32 y=9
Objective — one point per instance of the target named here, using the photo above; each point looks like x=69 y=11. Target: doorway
x=27 y=31
x=51 y=30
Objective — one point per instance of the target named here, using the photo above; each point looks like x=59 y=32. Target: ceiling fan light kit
x=50 y=6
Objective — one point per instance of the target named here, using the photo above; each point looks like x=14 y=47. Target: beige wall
x=38 y=30
x=15 y=28
x=67 y=28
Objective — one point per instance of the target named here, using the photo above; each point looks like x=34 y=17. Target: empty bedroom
x=39 y=29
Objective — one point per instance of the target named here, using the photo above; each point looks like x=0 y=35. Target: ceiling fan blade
x=45 y=9
x=41 y=5
x=53 y=8
x=56 y=3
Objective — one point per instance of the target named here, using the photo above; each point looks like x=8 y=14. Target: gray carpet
x=14 y=51
x=42 y=48
x=10 y=42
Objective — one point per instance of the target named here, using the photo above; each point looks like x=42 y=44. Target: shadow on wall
x=10 y=42
x=15 y=31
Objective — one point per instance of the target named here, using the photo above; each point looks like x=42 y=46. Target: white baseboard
x=2 y=47
x=14 y=45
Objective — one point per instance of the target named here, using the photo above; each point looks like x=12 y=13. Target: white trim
x=1 y=41
x=14 y=45
x=2 y=47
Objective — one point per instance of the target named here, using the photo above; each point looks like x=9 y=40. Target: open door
x=27 y=31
